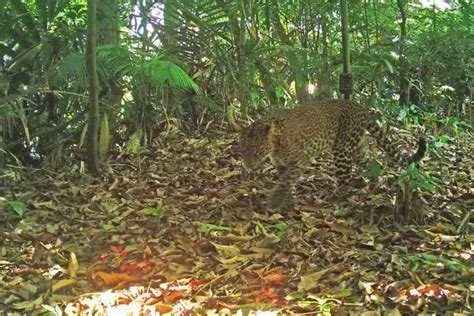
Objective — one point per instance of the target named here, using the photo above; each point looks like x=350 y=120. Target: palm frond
x=72 y=70
x=164 y=72
x=26 y=57
x=114 y=61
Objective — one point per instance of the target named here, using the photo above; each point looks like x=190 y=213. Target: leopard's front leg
x=281 y=193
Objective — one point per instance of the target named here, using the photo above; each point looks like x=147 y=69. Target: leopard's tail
x=392 y=151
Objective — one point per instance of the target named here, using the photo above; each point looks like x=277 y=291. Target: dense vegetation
x=175 y=80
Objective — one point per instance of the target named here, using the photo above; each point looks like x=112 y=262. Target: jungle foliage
x=173 y=65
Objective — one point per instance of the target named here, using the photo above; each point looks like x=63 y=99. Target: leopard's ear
x=238 y=127
x=260 y=129
x=256 y=130
x=266 y=127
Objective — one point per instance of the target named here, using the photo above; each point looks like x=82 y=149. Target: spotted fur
x=291 y=138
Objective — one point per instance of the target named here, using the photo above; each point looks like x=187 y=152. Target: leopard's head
x=254 y=144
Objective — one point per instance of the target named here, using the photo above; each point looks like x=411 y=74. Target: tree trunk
x=169 y=38
x=108 y=22
x=345 y=87
x=237 y=25
x=323 y=91
x=93 y=127
x=376 y=21
x=367 y=27
x=240 y=36
x=299 y=74
x=108 y=33
x=402 y=61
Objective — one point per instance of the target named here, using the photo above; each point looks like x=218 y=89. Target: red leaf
x=276 y=278
x=172 y=297
x=119 y=251
x=269 y=296
x=195 y=284
x=134 y=266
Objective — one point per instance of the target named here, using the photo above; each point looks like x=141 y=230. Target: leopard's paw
x=279 y=200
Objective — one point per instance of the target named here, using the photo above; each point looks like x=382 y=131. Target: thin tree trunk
x=2 y=143
x=345 y=49
x=403 y=63
x=299 y=75
x=376 y=20
x=93 y=127
x=367 y=27
x=169 y=37
x=242 y=62
x=324 y=80
x=266 y=76
x=4 y=83
x=237 y=24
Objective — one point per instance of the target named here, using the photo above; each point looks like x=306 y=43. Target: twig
x=464 y=221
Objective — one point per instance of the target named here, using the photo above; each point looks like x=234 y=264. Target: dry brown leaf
x=309 y=281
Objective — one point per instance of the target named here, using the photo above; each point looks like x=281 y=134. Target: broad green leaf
x=18 y=207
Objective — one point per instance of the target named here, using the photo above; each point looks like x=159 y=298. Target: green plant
x=373 y=169
x=108 y=228
x=417 y=177
x=206 y=228
x=456 y=124
x=426 y=259
x=324 y=306
x=157 y=210
x=275 y=232
x=18 y=207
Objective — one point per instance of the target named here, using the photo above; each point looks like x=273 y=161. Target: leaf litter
x=174 y=230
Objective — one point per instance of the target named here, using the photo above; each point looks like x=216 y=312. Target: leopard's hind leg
x=346 y=153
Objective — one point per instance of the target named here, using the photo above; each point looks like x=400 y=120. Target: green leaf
x=427 y=185
x=52 y=310
x=157 y=210
x=373 y=169
x=389 y=65
x=430 y=258
x=18 y=207
x=208 y=228
x=438 y=144
x=281 y=229
x=107 y=227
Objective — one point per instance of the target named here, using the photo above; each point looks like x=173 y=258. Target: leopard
x=293 y=137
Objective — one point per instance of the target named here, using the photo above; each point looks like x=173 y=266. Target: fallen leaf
x=309 y=281
x=61 y=284
x=115 y=278
x=73 y=265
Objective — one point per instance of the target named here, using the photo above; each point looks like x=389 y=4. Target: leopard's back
x=312 y=129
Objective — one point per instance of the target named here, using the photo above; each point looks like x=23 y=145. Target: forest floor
x=172 y=230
